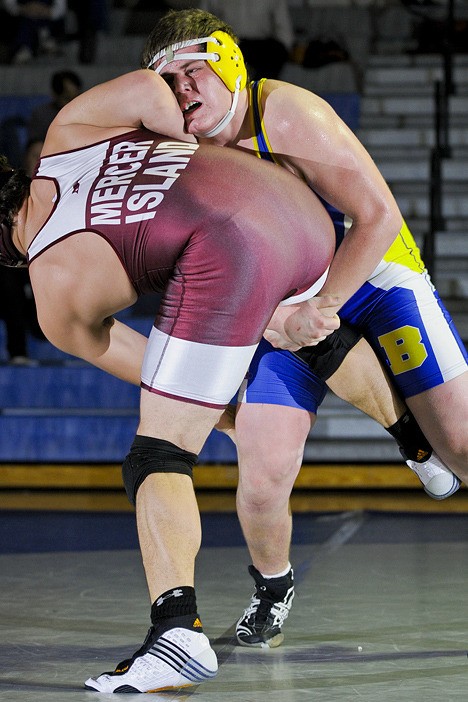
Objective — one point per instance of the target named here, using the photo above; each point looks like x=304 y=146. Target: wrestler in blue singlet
x=398 y=310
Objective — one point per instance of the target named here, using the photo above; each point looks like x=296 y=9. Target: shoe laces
x=262 y=611
x=146 y=645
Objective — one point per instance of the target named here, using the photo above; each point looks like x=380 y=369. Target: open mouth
x=191 y=107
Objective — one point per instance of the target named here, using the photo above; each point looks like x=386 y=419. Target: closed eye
x=169 y=79
x=195 y=66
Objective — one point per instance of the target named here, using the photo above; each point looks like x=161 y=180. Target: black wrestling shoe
x=260 y=625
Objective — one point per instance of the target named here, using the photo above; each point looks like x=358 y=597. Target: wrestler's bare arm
x=316 y=144
x=108 y=344
x=123 y=353
x=136 y=99
x=75 y=305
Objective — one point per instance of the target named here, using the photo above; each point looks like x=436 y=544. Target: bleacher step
x=454 y=170
x=415 y=137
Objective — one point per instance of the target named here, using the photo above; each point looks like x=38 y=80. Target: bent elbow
x=60 y=335
x=390 y=220
x=395 y=224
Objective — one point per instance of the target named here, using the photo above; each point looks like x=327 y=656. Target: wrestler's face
x=201 y=94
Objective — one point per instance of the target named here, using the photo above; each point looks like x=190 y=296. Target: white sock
x=277 y=575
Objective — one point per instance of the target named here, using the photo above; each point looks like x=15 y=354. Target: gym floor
x=380 y=610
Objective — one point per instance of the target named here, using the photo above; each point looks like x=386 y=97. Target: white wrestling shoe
x=177 y=658
x=438 y=481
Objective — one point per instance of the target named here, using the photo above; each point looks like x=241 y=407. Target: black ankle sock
x=272 y=589
x=409 y=437
x=174 y=608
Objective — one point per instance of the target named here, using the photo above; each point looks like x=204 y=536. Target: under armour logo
x=76 y=187
x=174 y=593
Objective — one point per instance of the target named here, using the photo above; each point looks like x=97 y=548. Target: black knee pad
x=148 y=455
x=326 y=357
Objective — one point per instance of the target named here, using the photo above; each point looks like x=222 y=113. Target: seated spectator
x=92 y=17
x=64 y=86
x=437 y=28
x=144 y=14
x=13 y=311
x=13 y=138
x=264 y=28
x=38 y=24
x=17 y=309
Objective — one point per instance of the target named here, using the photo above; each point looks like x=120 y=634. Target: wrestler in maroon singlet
x=224 y=244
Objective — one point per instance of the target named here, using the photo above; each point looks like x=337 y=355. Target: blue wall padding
x=66 y=438
x=64 y=387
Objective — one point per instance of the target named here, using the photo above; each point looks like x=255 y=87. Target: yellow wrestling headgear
x=230 y=66
x=222 y=55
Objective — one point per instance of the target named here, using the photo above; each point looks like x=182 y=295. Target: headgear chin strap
x=227 y=117
x=223 y=56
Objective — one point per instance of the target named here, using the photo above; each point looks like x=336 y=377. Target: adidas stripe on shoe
x=177 y=658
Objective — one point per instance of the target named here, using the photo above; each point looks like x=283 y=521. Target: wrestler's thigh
x=206 y=374
x=271 y=439
x=277 y=377
x=413 y=333
x=278 y=402
x=442 y=414
x=228 y=281
x=215 y=308
x=185 y=424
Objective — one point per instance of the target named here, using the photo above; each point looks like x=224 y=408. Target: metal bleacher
x=73 y=424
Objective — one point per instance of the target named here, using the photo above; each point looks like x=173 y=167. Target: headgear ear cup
x=222 y=55
x=231 y=66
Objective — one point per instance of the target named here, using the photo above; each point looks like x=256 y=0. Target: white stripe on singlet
x=203 y=373
x=307 y=294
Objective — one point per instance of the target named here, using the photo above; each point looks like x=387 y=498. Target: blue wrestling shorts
x=277 y=377
x=406 y=324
